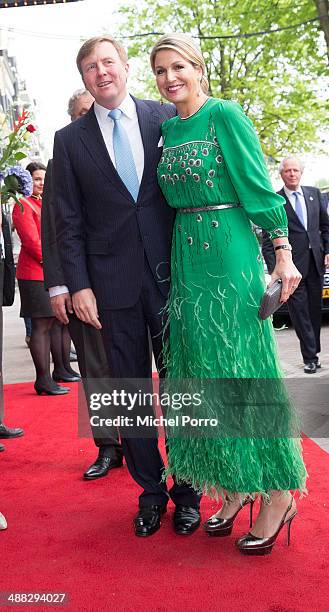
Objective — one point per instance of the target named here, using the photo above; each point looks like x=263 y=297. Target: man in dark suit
x=87 y=340
x=114 y=231
x=308 y=224
x=7 y=294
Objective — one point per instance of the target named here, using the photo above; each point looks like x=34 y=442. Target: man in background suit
x=87 y=340
x=114 y=231
x=7 y=294
x=308 y=224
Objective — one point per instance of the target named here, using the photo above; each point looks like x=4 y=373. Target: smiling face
x=105 y=75
x=291 y=173
x=38 y=178
x=178 y=80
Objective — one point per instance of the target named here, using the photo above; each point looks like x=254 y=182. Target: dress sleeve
x=246 y=167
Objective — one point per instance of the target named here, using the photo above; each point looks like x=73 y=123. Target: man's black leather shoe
x=2 y=448
x=186 y=519
x=101 y=467
x=310 y=368
x=148 y=520
x=7 y=432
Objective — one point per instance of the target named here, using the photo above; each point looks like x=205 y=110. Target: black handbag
x=8 y=283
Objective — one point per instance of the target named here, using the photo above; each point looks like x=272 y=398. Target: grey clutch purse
x=271 y=300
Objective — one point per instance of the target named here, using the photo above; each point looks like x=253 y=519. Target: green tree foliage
x=322 y=8
x=267 y=55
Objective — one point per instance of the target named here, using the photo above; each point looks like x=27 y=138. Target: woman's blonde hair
x=185 y=46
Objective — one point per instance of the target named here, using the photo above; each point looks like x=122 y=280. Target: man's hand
x=85 y=307
x=326 y=260
x=61 y=305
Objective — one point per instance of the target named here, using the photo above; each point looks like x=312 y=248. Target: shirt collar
x=127 y=106
x=289 y=193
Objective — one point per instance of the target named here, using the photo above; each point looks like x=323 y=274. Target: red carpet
x=67 y=535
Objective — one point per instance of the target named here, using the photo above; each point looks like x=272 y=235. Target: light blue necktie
x=123 y=154
x=299 y=208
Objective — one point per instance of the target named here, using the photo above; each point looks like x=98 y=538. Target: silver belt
x=207 y=208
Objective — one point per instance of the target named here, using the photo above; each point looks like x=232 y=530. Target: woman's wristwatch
x=286 y=247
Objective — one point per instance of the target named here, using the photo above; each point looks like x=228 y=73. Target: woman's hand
x=287 y=271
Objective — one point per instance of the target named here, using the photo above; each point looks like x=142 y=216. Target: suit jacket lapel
x=289 y=209
x=92 y=138
x=149 y=128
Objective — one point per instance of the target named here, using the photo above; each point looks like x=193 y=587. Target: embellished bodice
x=213 y=158
x=193 y=173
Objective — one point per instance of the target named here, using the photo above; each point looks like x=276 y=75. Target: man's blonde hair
x=90 y=45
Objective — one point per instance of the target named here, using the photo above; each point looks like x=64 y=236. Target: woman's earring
x=161 y=101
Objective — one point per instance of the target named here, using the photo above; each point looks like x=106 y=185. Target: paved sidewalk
x=17 y=362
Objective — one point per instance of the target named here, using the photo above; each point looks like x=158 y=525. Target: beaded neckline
x=193 y=114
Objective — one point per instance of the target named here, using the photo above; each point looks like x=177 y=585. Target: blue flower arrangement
x=16 y=180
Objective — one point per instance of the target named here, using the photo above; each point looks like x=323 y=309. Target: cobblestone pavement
x=312 y=390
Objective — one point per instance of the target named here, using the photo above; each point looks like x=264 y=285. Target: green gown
x=217 y=282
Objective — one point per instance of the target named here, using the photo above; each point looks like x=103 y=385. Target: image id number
x=33 y=598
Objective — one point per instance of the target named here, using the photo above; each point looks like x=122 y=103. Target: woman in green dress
x=212 y=172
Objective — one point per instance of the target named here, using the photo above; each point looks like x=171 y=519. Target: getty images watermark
x=139 y=401
x=216 y=408
x=141 y=408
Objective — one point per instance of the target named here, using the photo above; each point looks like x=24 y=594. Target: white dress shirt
x=292 y=200
x=130 y=123
x=58 y=290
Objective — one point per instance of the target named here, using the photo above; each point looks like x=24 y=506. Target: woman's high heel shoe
x=52 y=390
x=67 y=378
x=251 y=545
x=220 y=527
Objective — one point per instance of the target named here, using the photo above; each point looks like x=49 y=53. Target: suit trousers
x=126 y=334
x=93 y=364
x=305 y=312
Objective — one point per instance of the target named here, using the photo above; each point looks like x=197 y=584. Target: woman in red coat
x=47 y=334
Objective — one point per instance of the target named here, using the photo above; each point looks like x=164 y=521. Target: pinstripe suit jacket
x=103 y=236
